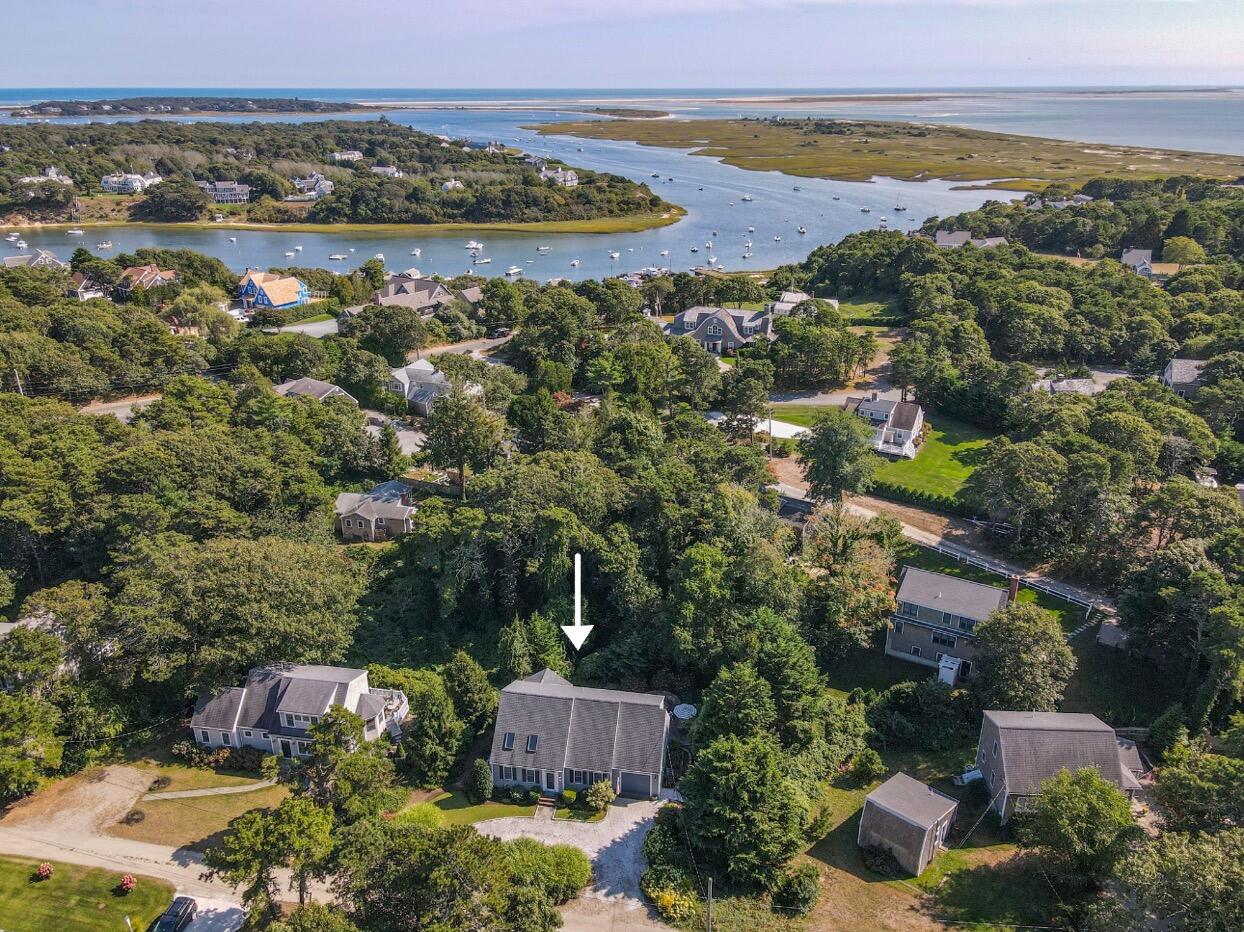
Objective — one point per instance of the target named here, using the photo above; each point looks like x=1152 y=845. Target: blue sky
x=620 y=43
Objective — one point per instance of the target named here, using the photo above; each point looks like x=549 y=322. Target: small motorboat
x=837 y=198
x=746 y=197
x=351 y=249
x=416 y=252
x=11 y=237
x=379 y=256
x=474 y=245
x=866 y=210
x=614 y=255
x=714 y=232
x=20 y=244
x=483 y=261
x=665 y=252
x=747 y=255
x=543 y=249
x=899 y=207
x=796 y=188
x=297 y=249
x=630 y=248
x=701 y=189
x=514 y=270
x=695 y=248
x=777 y=239
x=74 y=232
x=233 y=239
x=747 y=245
x=574 y=263
x=290 y=255
x=712 y=260
x=802 y=230
x=751 y=229
x=656 y=174
x=338 y=256
x=106 y=244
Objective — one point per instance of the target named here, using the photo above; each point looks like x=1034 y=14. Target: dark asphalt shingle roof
x=1035 y=746
x=912 y=800
x=579 y=727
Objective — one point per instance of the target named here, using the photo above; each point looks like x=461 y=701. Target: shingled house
x=555 y=736
x=379 y=514
x=908 y=819
x=278 y=704
x=935 y=620
x=1019 y=750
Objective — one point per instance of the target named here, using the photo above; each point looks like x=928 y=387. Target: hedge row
x=931 y=501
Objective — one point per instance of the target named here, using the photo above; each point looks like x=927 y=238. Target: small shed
x=908 y=819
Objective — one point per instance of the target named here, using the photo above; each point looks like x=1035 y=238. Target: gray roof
x=1185 y=371
x=904 y=416
x=1129 y=755
x=951 y=237
x=950 y=594
x=579 y=727
x=910 y=799
x=312 y=388
x=387 y=500
x=1135 y=257
x=1035 y=746
x=305 y=688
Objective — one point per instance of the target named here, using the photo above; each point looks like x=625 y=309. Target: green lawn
x=800 y=415
x=316 y=319
x=76 y=899
x=944 y=461
x=578 y=815
x=869 y=311
x=1120 y=690
x=458 y=810
x=1068 y=615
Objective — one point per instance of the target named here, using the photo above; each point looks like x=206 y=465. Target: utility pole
x=710 y=905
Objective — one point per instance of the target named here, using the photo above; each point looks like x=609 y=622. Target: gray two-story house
x=553 y=736
x=722 y=330
x=276 y=708
x=934 y=622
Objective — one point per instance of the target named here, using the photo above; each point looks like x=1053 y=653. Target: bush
x=420 y=815
x=598 y=796
x=128 y=883
x=664 y=844
x=249 y=759
x=867 y=766
x=159 y=783
x=561 y=871
x=931 y=501
x=532 y=796
x=44 y=871
x=671 y=891
x=569 y=798
x=927 y=714
x=133 y=817
x=479 y=781
x=517 y=796
x=797 y=889
x=1168 y=731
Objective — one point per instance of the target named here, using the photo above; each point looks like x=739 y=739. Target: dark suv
x=179 y=915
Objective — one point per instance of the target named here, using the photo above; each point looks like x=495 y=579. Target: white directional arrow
x=577 y=632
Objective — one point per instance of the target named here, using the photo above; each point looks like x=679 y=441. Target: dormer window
x=714 y=330
x=531 y=744
x=507 y=742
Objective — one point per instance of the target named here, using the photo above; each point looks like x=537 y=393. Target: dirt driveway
x=615 y=846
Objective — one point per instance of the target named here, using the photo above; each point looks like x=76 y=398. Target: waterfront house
x=897 y=425
x=278 y=705
x=145 y=276
x=313 y=388
x=85 y=288
x=129 y=182
x=1183 y=376
x=935 y=619
x=908 y=819
x=379 y=514
x=723 y=330
x=554 y=736
x=225 y=192
x=1017 y=751
x=314 y=186
x=348 y=155
x=791 y=300
x=421 y=385
x=37 y=259
x=50 y=174
x=425 y=295
x=562 y=177
x=954 y=239
x=388 y=171
x=264 y=289
x=453 y=184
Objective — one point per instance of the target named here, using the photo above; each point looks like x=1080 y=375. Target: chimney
x=875 y=395
x=1013 y=592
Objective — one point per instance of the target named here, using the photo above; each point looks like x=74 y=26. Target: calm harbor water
x=711 y=192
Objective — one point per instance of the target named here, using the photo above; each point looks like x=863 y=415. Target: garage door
x=636 y=785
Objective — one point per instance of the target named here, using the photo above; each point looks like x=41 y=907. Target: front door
x=550 y=780
x=286 y=750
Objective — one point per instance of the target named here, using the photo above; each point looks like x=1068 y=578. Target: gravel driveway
x=615 y=844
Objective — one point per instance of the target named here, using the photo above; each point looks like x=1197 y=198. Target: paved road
x=318 y=329
x=122 y=410
x=475 y=348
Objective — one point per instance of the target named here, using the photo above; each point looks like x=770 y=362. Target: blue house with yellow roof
x=264 y=289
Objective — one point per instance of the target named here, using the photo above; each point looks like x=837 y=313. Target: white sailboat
x=106 y=244
x=338 y=256
x=233 y=239
x=416 y=252
x=74 y=232
x=614 y=254
x=479 y=261
x=514 y=270
x=574 y=263
x=379 y=256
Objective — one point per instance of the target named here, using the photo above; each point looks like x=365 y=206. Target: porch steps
x=547 y=802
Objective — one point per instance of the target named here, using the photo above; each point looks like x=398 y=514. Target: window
x=507 y=773
x=906 y=608
x=748 y=331
x=995 y=749
x=302 y=747
x=380 y=522
x=531 y=744
x=966 y=624
x=714 y=330
x=507 y=743
x=246 y=733
x=598 y=777
x=225 y=738
x=915 y=651
x=264 y=735
x=207 y=738
x=531 y=776
x=942 y=641
x=898 y=627
x=965 y=668
x=578 y=777
x=315 y=719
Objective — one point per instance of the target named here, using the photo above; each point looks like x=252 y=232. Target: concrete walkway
x=212 y=791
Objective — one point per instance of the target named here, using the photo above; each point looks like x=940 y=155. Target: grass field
x=75 y=899
x=869 y=311
x=944 y=461
x=458 y=810
x=906 y=151
x=196 y=822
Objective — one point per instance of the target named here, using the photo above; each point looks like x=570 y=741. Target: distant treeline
x=185 y=105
